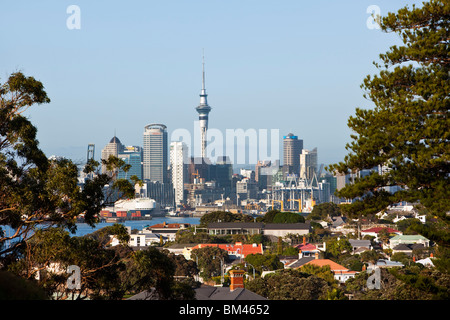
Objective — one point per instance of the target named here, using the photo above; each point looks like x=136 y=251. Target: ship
x=135 y=209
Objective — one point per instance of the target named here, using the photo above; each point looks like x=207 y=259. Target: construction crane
x=90 y=152
x=196 y=175
x=300 y=206
x=281 y=201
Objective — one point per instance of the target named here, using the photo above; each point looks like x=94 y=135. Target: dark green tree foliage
x=50 y=251
x=276 y=216
x=288 y=217
x=410 y=283
x=223 y=216
x=34 y=189
x=408 y=130
x=209 y=261
x=290 y=284
x=322 y=210
x=13 y=287
x=263 y=262
x=337 y=247
x=149 y=270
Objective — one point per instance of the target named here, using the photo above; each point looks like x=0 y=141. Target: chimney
x=304 y=240
x=237 y=279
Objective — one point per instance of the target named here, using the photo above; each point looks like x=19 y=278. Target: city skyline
x=289 y=66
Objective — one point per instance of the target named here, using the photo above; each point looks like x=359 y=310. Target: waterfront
x=84 y=228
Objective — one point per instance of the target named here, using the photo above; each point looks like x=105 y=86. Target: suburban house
x=359 y=246
x=341 y=273
x=376 y=230
x=306 y=249
x=427 y=262
x=283 y=229
x=227 y=228
x=179 y=248
x=409 y=239
x=407 y=248
x=235 y=251
x=384 y=263
x=251 y=228
x=168 y=230
x=140 y=239
x=299 y=262
x=339 y=224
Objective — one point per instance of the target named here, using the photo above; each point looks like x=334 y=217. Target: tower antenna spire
x=203 y=70
x=203 y=110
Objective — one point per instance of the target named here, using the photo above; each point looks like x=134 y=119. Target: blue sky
x=291 y=65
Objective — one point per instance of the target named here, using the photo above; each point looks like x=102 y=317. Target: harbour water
x=84 y=228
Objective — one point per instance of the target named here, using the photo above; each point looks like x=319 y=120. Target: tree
x=407 y=132
x=276 y=216
x=269 y=216
x=321 y=272
x=288 y=217
x=263 y=262
x=210 y=261
x=223 y=216
x=371 y=256
x=152 y=271
x=50 y=251
x=35 y=190
x=337 y=247
x=290 y=284
x=322 y=210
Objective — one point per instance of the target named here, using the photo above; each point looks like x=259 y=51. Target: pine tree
x=407 y=132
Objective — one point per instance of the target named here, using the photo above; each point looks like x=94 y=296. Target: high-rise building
x=203 y=110
x=132 y=155
x=114 y=147
x=263 y=176
x=179 y=168
x=155 y=153
x=221 y=173
x=292 y=147
x=308 y=163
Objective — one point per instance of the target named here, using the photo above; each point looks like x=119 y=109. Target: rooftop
x=238 y=247
x=409 y=237
x=285 y=226
x=378 y=229
x=223 y=293
x=327 y=262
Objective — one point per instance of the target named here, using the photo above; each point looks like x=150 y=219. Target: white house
x=408 y=239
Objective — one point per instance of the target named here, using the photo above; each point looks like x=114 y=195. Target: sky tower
x=203 y=110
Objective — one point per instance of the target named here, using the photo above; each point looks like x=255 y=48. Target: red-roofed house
x=306 y=249
x=235 y=251
x=376 y=230
x=341 y=273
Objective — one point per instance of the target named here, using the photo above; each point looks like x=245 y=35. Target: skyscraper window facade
x=155 y=153
x=292 y=148
x=114 y=147
x=179 y=168
x=133 y=156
